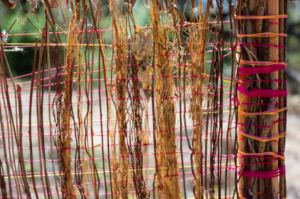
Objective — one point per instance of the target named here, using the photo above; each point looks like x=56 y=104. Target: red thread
x=260 y=70
x=253 y=92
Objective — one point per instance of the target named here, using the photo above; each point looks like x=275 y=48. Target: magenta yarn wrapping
x=263 y=174
x=260 y=70
x=253 y=92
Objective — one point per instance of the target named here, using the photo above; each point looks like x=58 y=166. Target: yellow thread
x=274 y=39
x=261 y=154
x=261 y=17
x=261 y=140
x=47 y=44
x=227 y=81
x=265 y=63
x=263 y=113
x=269 y=34
x=244 y=98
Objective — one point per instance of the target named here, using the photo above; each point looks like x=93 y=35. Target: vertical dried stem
x=196 y=70
x=120 y=84
x=65 y=130
x=168 y=173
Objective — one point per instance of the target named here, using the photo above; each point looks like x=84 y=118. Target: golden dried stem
x=168 y=173
x=196 y=105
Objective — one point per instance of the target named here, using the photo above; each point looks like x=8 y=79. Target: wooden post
x=273 y=9
x=242 y=97
x=282 y=100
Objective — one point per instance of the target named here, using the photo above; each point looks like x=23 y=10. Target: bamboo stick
x=273 y=9
x=242 y=97
x=282 y=127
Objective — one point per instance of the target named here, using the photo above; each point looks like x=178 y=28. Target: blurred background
x=21 y=63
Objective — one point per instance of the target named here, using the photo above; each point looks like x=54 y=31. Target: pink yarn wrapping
x=259 y=70
x=263 y=174
x=253 y=92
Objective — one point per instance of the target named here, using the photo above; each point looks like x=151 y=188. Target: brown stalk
x=105 y=74
x=260 y=10
x=39 y=113
x=247 y=54
x=19 y=141
x=30 y=117
x=49 y=99
x=141 y=138
x=2 y=72
x=120 y=84
x=196 y=70
x=65 y=130
x=9 y=3
x=167 y=176
x=282 y=86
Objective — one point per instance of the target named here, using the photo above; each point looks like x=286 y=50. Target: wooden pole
x=273 y=9
x=242 y=97
x=282 y=100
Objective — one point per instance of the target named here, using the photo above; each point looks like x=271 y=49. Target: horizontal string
x=240 y=17
x=266 y=34
x=243 y=154
x=260 y=63
x=244 y=45
x=263 y=174
x=260 y=70
x=275 y=137
x=258 y=80
x=260 y=126
x=263 y=93
x=270 y=112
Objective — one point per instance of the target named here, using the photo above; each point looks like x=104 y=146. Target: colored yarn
x=254 y=92
x=260 y=70
x=269 y=112
x=263 y=174
x=240 y=17
x=259 y=63
x=265 y=34
x=243 y=154
x=281 y=135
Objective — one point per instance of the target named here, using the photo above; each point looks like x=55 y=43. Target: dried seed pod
x=142 y=45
